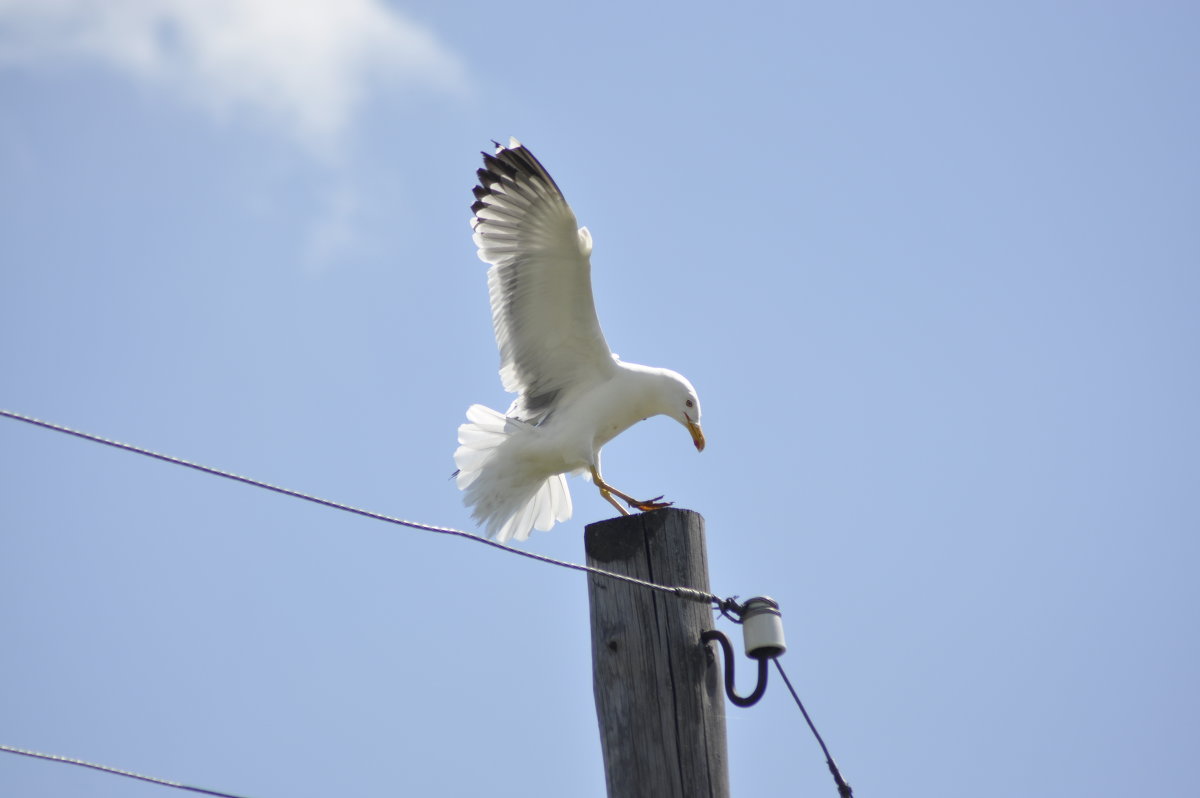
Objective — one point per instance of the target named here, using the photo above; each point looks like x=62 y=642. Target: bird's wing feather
x=540 y=281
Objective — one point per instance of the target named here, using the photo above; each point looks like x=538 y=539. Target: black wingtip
x=511 y=166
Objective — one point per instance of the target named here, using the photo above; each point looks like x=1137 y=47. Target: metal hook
x=727 y=647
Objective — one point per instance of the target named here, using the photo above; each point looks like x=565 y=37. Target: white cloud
x=301 y=65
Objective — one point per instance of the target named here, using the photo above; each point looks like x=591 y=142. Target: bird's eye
x=690 y=403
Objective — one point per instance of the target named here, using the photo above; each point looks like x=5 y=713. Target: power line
x=115 y=771
x=729 y=607
x=725 y=605
x=844 y=790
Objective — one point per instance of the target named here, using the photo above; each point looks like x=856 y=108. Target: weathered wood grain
x=658 y=688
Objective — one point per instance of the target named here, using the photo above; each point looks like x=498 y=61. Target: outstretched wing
x=540 y=281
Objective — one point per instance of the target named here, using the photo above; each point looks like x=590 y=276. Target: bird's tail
x=504 y=495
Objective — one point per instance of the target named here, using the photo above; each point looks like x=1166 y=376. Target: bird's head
x=684 y=407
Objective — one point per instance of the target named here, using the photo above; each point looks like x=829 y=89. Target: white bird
x=573 y=394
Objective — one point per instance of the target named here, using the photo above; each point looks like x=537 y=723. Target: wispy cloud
x=301 y=66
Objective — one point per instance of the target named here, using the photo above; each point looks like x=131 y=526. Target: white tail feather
x=505 y=497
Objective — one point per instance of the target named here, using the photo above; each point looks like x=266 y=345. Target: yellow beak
x=697 y=434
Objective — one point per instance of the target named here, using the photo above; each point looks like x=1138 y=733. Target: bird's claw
x=650 y=504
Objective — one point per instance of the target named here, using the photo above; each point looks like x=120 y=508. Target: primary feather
x=540 y=282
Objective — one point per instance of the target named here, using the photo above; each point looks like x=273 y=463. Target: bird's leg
x=608 y=491
x=608 y=497
x=599 y=481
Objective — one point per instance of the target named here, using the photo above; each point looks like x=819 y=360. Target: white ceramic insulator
x=762 y=628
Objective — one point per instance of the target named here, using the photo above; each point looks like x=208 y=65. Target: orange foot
x=649 y=504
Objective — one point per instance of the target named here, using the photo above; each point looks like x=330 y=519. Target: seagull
x=573 y=394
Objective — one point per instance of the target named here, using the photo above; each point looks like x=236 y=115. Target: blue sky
x=933 y=269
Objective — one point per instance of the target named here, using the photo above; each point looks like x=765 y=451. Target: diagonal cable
x=844 y=790
x=688 y=593
x=129 y=774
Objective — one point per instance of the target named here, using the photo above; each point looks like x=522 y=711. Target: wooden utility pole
x=659 y=695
